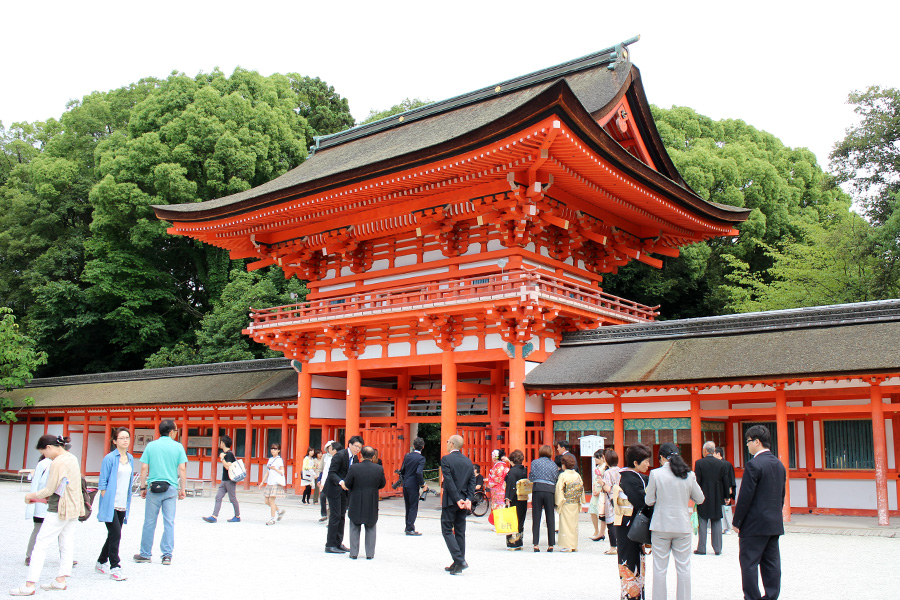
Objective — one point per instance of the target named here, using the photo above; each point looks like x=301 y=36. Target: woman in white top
x=116 y=473
x=274 y=482
x=36 y=511
x=670 y=489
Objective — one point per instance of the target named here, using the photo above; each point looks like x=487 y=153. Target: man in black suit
x=337 y=496
x=459 y=488
x=412 y=474
x=758 y=519
x=363 y=481
x=729 y=492
x=564 y=448
x=712 y=476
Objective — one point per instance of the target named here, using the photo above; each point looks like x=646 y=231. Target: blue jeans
x=167 y=502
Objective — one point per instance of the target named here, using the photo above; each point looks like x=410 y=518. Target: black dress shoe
x=369 y=557
x=456 y=569
x=345 y=548
x=333 y=550
x=699 y=553
x=353 y=557
x=464 y=565
x=413 y=533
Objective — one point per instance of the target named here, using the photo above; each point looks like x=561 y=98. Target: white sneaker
x=53 y=585
x=280 y=514
x=270 y=522
x=101 y=568
x=117 y=575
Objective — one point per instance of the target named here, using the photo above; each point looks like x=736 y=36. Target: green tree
x=732 y=163
x=323 y=108
x=405 y=105
x=18 y=361
x=868 y=158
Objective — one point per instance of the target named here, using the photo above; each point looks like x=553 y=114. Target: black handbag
x=639 y=531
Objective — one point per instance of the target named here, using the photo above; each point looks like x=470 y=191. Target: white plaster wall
x=798 y=491
x=96 y=451
x=327 y=408
x=494 y=245
x=714 y=405
x=380 y=264
x=427 y=347
x=399 y=276
x=17 y=447
x=550 y=345
x=736 y=435
x=801 y=445
x=470 y=342
x=889 y=431
x=373 y=351
x=346 y=271
x=35 y=432
x=545 y=251
x=534 y=403
x=478 y=263
x=76 y=442
x=193 y=468
x=631 y=407
x=4 y=441
x=399 y=349
x=474 y=248
x=579 y=409
x=324 y=382
x=338 y=286
x=530 y=247
x=405 y=260
x=856 y=401
x=847 y=493
x=493 y=340
x=319 y=356
x=817 y=443
x=432 y=256
x=337 y=354
x=577 y=277
x=329 y=274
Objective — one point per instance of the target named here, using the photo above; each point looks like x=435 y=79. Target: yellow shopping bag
x=505 y=520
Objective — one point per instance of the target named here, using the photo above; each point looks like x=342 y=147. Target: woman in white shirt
x=274 y=482
x=116 y=473
x=36 y=511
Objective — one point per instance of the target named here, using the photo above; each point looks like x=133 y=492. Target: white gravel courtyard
x=251 y=560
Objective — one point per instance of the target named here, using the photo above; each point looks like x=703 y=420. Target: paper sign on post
x=590 y=444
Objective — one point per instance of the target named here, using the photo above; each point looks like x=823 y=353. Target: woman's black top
x=634 y=485
x=516 y=472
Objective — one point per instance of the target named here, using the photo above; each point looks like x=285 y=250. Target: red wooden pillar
x=880 y=441
x=548 y=420
x=248 y=447
x=784 y=445
x=27 y=433
x=401 y=408
x=214 y=450
x=809 y=442
x=65 y=425
x=107 y=434
x=353 y=399
x=448 y=395
x=184 y=430
x=284 y=440
x=86 y=433
x=301 y=435
x=516 y=399
x=696 y=427
x=619 y=428
x=895 y=423
x=9 y=445
x=495 y=402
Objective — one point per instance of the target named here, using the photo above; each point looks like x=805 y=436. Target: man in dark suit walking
x=337 y=496
x=458 y=488
x=730 y=492
x=363 y=481
x=758 y=519
x=712 y=475
x=412 y=474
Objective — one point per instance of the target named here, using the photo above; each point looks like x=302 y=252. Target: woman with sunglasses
x=274 y=482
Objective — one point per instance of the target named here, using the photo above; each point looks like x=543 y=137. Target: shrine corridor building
x=451 y=250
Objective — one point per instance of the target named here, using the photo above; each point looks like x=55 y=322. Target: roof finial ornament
x=620 y=54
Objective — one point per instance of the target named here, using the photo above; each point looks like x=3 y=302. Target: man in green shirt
x=164 y=471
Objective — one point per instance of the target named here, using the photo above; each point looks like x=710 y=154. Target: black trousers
x=760 y=556
x=453 y=528
x=323 y=503
x=110 y=549
x=337 y=500
x=543 y=501
x=411 y=501
x=516 y=540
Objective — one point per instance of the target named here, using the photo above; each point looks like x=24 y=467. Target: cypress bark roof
x=596 y=82
x=243 y=381
x=826 y=340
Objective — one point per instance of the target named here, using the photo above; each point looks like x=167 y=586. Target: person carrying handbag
x=630 y=501
x=226 y=457
x=274 y=482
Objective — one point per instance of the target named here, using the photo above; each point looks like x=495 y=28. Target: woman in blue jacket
x=115 y=501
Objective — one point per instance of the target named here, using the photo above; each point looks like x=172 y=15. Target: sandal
x=22 y=591
x=537 y=548
x=549 y=548
x=611 y=551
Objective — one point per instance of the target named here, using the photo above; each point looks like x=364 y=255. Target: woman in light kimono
x=569 y=498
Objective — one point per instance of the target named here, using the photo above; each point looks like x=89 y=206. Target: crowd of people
x=624 y=501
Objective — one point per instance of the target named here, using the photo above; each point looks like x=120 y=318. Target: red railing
x=525 y=284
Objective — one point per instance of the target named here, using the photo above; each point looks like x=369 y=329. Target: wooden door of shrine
x=391 y=447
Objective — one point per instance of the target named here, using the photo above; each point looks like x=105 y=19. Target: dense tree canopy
x=18 y=361
x=100 y=284
x=405 y=105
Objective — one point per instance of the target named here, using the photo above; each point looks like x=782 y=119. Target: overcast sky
x=785 y=67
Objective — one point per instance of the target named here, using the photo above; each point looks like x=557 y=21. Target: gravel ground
x=288 y=559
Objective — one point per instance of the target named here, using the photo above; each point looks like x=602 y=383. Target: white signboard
x=590 y=444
